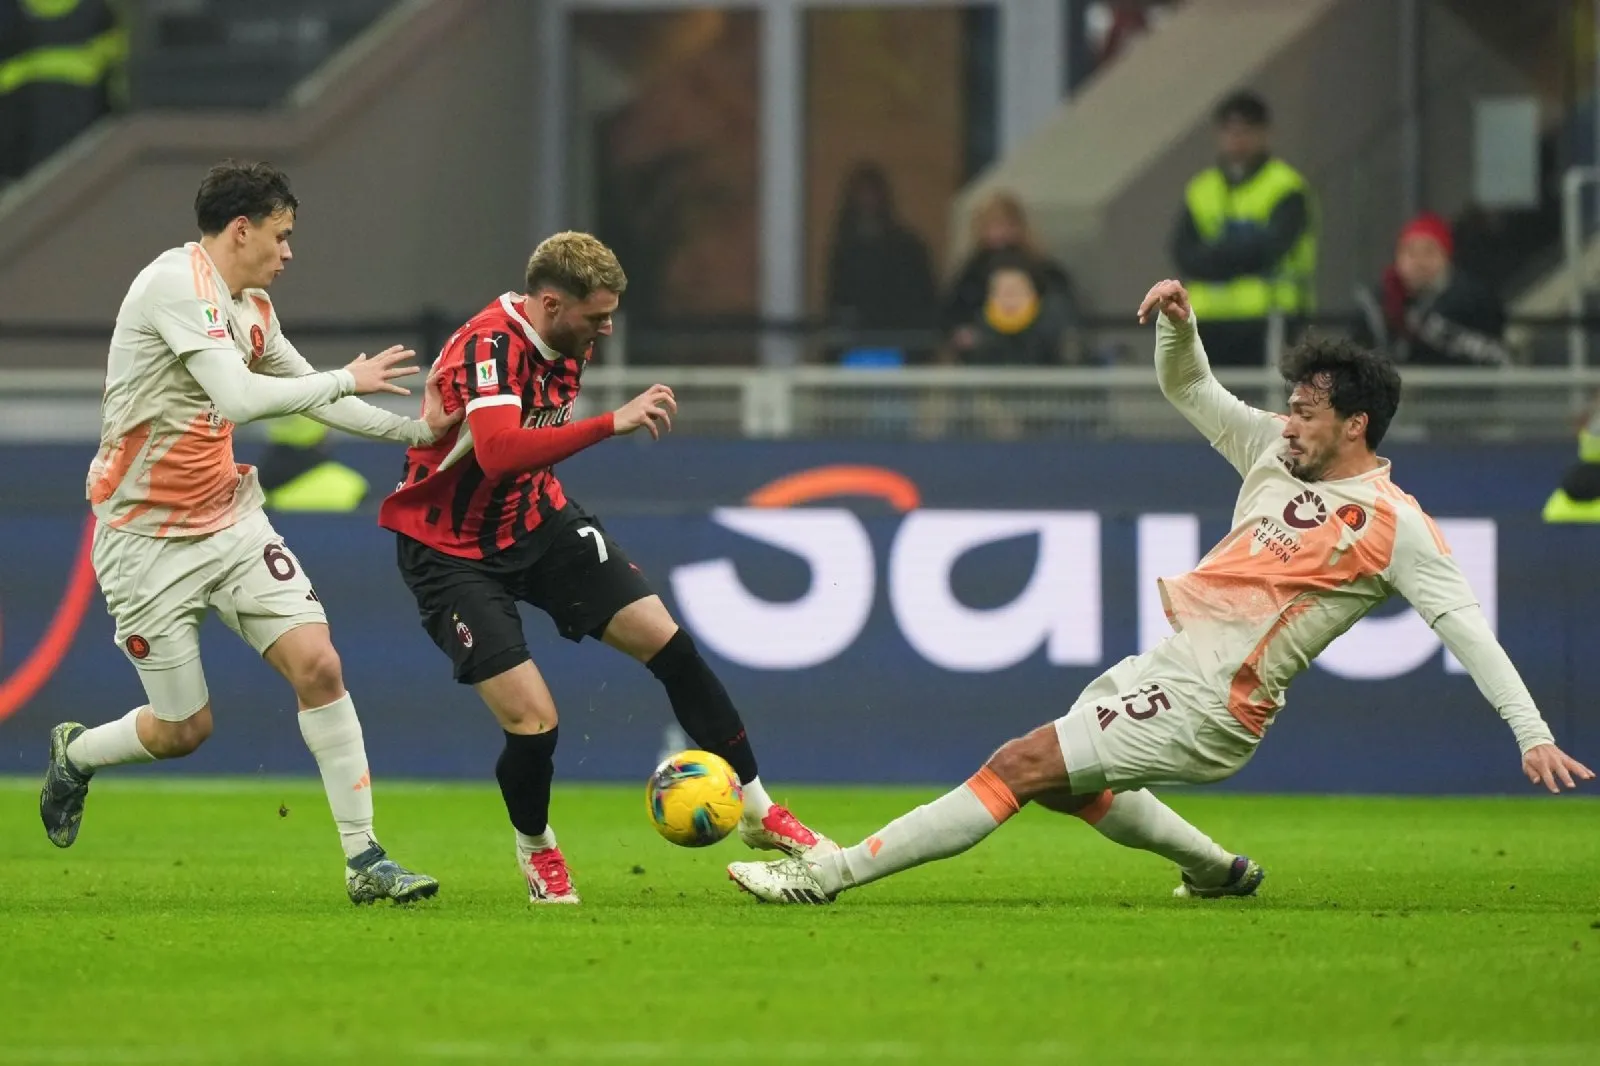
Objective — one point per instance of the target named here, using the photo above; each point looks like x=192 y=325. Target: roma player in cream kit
x=1321 y=536
x=180 y=531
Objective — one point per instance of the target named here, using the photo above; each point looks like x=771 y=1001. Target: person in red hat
x=1424 y=312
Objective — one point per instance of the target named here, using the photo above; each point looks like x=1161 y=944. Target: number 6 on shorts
x=599 y=539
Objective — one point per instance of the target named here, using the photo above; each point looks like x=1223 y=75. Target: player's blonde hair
x=576 y=263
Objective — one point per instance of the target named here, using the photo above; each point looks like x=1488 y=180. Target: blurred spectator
x=1124 y=20
x=879 y=273
x=1577 y=499
x=58 y=63
x=1022 y=321
x=1000 y=236
x=1245 y=241
x=1424 y=312
x=1100 y=30
x=299 y=473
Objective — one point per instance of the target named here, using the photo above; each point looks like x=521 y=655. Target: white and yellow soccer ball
x=694 y=798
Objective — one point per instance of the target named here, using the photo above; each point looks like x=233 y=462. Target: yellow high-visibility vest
x=1213 y=204
x=83 y=62
x=1561 y=507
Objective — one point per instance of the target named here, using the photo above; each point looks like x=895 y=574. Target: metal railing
x=1118 y=402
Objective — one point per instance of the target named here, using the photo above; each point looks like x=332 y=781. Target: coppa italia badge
x=1305 y=511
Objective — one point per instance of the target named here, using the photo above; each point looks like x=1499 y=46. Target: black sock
x=702 y=705
x=524 y=770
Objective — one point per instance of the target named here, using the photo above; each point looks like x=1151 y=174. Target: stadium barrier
x=933 y=403
x=881 y=612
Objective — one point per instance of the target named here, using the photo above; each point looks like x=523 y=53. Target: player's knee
x=1030 y=765
x=526 y=715
x=641 y=629
x=317 y=675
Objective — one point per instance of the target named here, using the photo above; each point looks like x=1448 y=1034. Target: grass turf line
x=193 y=922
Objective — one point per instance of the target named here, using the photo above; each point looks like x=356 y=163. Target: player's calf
x=173 y=740
x=707 y=714
x=1031 y=765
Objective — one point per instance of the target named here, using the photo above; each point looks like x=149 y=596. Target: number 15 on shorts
x=1139 y=706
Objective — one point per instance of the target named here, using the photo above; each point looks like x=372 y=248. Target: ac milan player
x=483 y=523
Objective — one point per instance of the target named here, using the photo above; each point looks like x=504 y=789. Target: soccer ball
x=694 y=798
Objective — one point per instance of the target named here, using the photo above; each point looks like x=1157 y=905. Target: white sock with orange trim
x=948 y=826
x=1139 y=820
x=333 y=733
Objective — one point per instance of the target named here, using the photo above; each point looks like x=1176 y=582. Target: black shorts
x=569 y=569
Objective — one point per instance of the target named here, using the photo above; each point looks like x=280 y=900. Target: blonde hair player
x=1320 y=537
x=180 y=532
x=483 y=523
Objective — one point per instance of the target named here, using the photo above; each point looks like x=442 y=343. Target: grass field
x=205 y=922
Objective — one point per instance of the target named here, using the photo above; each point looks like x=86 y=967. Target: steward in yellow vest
x=1578 y=497
x=1245 y=241
x=60 y=67
x=298 y=471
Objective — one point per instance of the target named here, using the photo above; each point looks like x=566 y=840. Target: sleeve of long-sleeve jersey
x=1465 y=631
x=241 y=396
x=504 y=447
x=350 y=414
x=1424 y=571
x=1234 y=428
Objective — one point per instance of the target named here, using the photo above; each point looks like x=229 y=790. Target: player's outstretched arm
x=1465 y=631
x=241 y=396
x=357 y=417
x=1237 y=430
x=503 y=447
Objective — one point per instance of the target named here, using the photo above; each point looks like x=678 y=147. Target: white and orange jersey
x=165 y=466
x=1303 y=562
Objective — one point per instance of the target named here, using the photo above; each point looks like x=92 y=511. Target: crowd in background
x=1244 y=238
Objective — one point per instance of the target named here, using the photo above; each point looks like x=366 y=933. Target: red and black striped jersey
x=444 y=498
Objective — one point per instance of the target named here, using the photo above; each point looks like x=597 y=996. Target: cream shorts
x=1151 y=719
x=158 y=589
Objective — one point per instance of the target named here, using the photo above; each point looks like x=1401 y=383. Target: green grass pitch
x=205 y=922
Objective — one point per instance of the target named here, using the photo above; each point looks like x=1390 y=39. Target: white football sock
x=112 y=744
x=333 y=733
x=1139 y=820
x=948 y=826
x=756 y=801
x=527 y=845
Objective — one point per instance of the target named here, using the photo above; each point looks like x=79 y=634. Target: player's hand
x=1169 y=297
x=1551 y=767
x=433 y=412
x=653 y=409
x=377 y=373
